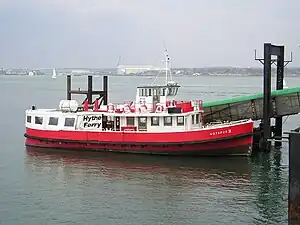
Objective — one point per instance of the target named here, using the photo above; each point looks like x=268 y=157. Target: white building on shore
x=134 y=69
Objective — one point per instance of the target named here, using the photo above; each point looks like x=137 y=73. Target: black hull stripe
x=235 y=151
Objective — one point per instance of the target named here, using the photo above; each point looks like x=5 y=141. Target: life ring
x=143 y=108
x=126 y=108
x=159 y=108
x=110 y=108
x=132 y=107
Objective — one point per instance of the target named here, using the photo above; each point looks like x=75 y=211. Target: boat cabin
x=105 y=121
x=152 y=95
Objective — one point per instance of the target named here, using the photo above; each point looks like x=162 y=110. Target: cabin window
x=197 y=118
x=163 y=92
x=142 y=123
x=168 y=120
x=193 y=119
x=38 y=120
x=140 y=92
x=28 y=119
x=180 y=120
x=172 y=91
x=53 y=121
x=155 y=121
x=130 y=121
x=69 y=122
x=154 y=92
x=150 y=92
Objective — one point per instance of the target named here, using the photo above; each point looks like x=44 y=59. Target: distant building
x=79 y=71
x=134 y=69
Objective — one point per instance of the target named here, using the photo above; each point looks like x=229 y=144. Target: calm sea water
x=44 y=187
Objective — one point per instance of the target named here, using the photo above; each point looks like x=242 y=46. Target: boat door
x=117 y=123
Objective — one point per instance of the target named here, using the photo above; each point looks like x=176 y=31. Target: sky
x=94 y=33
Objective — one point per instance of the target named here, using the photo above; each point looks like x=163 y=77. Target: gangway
x=284 y=103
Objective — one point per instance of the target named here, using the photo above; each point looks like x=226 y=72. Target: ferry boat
x=155 y=123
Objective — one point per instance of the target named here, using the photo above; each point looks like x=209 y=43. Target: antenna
x=167 y=62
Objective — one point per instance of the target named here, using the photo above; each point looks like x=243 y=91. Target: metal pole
x=105 y=90
x=69 y=87
x=267 y=96
x=279 y=86
x=90 y=90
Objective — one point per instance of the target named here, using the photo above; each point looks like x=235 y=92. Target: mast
x=167 y=60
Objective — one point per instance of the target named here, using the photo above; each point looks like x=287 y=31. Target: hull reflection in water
x=227 y=172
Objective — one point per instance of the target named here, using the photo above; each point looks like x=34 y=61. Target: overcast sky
x=93 y=33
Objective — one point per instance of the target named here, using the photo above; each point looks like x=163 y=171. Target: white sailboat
x=54 y=74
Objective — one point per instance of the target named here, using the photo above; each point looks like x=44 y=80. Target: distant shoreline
x=137 y=75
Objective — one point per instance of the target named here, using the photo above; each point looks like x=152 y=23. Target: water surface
x=50 y=187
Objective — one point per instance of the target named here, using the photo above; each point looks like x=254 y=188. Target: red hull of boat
x=234 y=140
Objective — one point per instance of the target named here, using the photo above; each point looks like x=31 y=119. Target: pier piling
x=267 y=61
x=89 y=92
x=294 y=178
x=105 y=89
x=279 y=86
x=69 y=87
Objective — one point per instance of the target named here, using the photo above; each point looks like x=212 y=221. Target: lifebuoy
x=110 y=108
x=126 y=108
x=132 y=107
x=143 y=108
x=159 y=108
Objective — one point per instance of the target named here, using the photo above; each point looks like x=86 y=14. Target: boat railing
x=221 y=123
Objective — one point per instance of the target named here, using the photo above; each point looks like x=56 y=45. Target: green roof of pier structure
x=284 y=102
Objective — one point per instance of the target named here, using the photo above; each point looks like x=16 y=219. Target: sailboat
x=54 y=74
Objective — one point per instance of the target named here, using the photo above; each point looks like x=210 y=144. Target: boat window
x=162 y=91
x=193 y=119
x=53 y=121
x=38 y=120
x=140 y=92
x=155 y=121
x=130 y=121
x=69 y=122
x=168 y=120
x=142 y=123
x=154 y=92
x=149 y=92
x=172 y=91
x=28 y=119
x=180 y=120
x=197 y=118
